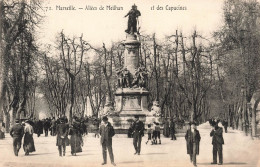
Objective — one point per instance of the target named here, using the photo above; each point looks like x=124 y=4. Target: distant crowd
x=49 y=125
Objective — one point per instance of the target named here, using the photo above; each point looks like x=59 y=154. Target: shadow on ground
x=228 y=163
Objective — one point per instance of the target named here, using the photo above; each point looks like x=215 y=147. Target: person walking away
x=28 y=142
x=76 y=138
x=192 y=138
x=172 y=129
x=138 y=133
x=62 y=136
x=17 y=132
x=149 y=133
x=96 y=125
x=39 y=128
x=217 y=142
x=107 y=132
x=46 y=126
x=158 y=132
x=225 y=124
x=53 y=127
x=154 y=134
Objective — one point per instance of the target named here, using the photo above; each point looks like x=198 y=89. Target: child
x=149 y=132
x=158 y=129
x=154 y=134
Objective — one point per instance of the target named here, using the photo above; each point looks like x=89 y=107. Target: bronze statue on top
x=133 y=14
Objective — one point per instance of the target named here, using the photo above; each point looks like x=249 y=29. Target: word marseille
x=89 y=7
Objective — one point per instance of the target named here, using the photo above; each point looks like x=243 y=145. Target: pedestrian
x=96 y=129
x=2 y=130
x=39 y=128
x=107 y=132
x=166 y=128
x=154 y=136
x=192 y=138
x=28 y=143
x=53 y=127
x=76 y=141
x=46 y=126
x=172 y=129
x=17 y=133
x=130 y=131
x=62 y=136
x=138 y=133
x=225 y=124
x=158 y=132
x=217 y=142
x=149 y=133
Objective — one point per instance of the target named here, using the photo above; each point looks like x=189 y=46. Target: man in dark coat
x=225 y=124
x=193 y=140
x=172 y=130
x=53 y=127
x=17 y=133
x=217 y=142
x=138 y=133
x=39 y=127
x=46 y=126
x=107 y=132
x=62 y=136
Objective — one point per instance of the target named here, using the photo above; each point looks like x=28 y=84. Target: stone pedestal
x=129 y=101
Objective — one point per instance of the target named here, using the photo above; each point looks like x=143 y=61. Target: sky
x=104 y=26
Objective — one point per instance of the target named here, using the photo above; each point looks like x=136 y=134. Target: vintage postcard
x=151 y=83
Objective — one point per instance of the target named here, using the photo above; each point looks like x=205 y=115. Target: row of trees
x=18 y=73
x=192 y=77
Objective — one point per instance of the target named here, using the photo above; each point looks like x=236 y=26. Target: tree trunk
x=12 y=116
x=7 y=122
x=72 y=99
x=254 y=118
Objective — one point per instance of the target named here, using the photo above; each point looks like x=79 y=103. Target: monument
x=131 y=93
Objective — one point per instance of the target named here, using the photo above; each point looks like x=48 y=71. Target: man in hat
x=192 y=138
x=138 y=133
x=62 y=136
x=217 y=142
x=107 y=132
x=133 y=14
x=17 y=133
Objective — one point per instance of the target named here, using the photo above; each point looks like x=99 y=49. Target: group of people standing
x=193 y=138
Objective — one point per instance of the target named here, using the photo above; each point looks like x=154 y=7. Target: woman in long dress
x=76 y=138
x=28 y=143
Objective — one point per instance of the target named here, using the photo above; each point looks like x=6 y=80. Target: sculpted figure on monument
x=133 y=15
x=135 y=82
x=140 y=77
x=119 y=73
x=143 y=76
x=126 y=77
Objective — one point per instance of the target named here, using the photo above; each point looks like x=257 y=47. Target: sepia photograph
x=147 y=83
